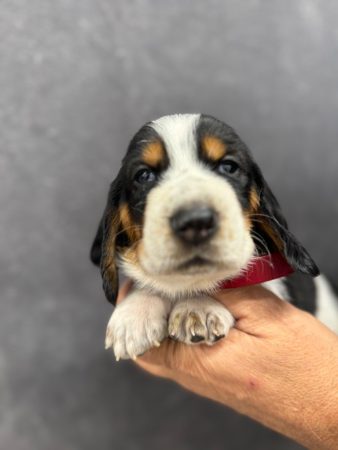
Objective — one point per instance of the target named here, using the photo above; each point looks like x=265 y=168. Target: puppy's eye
x=227 y=166
x=145 y=176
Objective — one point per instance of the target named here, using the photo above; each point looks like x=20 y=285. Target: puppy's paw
x=137 y=324
x=199 y=321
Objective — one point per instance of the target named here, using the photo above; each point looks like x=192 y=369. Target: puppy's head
x=189 y=208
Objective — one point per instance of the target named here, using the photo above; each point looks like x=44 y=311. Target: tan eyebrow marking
x=153 y=154
x=213 y=148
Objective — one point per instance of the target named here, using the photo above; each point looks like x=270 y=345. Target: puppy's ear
x=96 y=249
x=269 y=222
x=103 y=250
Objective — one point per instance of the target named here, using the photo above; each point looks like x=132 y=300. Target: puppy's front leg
x=200 y=320
x=137 y=324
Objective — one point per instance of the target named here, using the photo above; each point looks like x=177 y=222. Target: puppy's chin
x=186 y=279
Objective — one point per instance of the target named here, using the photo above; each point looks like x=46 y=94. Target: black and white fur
x=174 y=277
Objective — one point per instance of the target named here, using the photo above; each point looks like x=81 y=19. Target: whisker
x=268 y=217
x=132 y=227
x=261 y=241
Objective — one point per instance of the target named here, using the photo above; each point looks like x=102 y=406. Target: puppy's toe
x=195 y=327
x=218 y=326
x=199 y=321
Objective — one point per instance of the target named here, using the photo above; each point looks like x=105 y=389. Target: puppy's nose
x=195 y=225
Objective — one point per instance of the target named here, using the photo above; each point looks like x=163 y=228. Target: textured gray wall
x=77 y=79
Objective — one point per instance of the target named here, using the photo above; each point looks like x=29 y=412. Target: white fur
x=137 y=324
x=327 y=304
x=278 y=288
x=326 y=299
x=178 y=134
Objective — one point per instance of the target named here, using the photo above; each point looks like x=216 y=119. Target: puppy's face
x=189 y=208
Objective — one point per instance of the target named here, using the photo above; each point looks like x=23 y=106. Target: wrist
x=312 y=419
x=322 y=425
x=298 y=395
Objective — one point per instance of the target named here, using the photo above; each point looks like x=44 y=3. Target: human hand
x=279 y=366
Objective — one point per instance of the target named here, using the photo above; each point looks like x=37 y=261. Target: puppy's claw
x=218 y=337
x=196 y=338
x=174 y=326
x=173 y=337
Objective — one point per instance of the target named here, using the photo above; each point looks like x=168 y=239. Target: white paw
x=137 y=324
x=199 y=321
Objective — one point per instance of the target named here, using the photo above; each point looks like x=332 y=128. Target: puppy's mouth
x=195 y=262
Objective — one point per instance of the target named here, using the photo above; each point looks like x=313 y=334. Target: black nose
x=195 y=225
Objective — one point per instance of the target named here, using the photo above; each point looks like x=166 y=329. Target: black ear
x=270 y=222
x=96 y=249
x=103 y=250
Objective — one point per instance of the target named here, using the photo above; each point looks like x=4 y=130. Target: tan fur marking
x=273 y=235
x=131 y=254
x=108 y=265
x=254 y=200
x=153 y=154
x=247 y=220
x=213 y=148
x=133 y=231
x=121 y=221
x=109 y=249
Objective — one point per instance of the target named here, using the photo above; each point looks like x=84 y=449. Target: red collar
x=261 y=269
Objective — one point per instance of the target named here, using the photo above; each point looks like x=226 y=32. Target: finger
x=249 y=301
x=174 y=358
x=163 y=356
x=153 y=369
x=158 y=360
x=170 y=357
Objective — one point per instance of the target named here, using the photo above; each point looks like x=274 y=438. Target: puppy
x=189 y=211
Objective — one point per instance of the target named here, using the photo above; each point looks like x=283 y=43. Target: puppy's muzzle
x=195 y=225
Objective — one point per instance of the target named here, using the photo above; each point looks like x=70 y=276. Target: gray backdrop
x=77 y=79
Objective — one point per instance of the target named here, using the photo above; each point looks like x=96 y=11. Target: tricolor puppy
x=188 y=210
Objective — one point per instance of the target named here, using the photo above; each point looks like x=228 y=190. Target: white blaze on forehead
x=178 y=132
